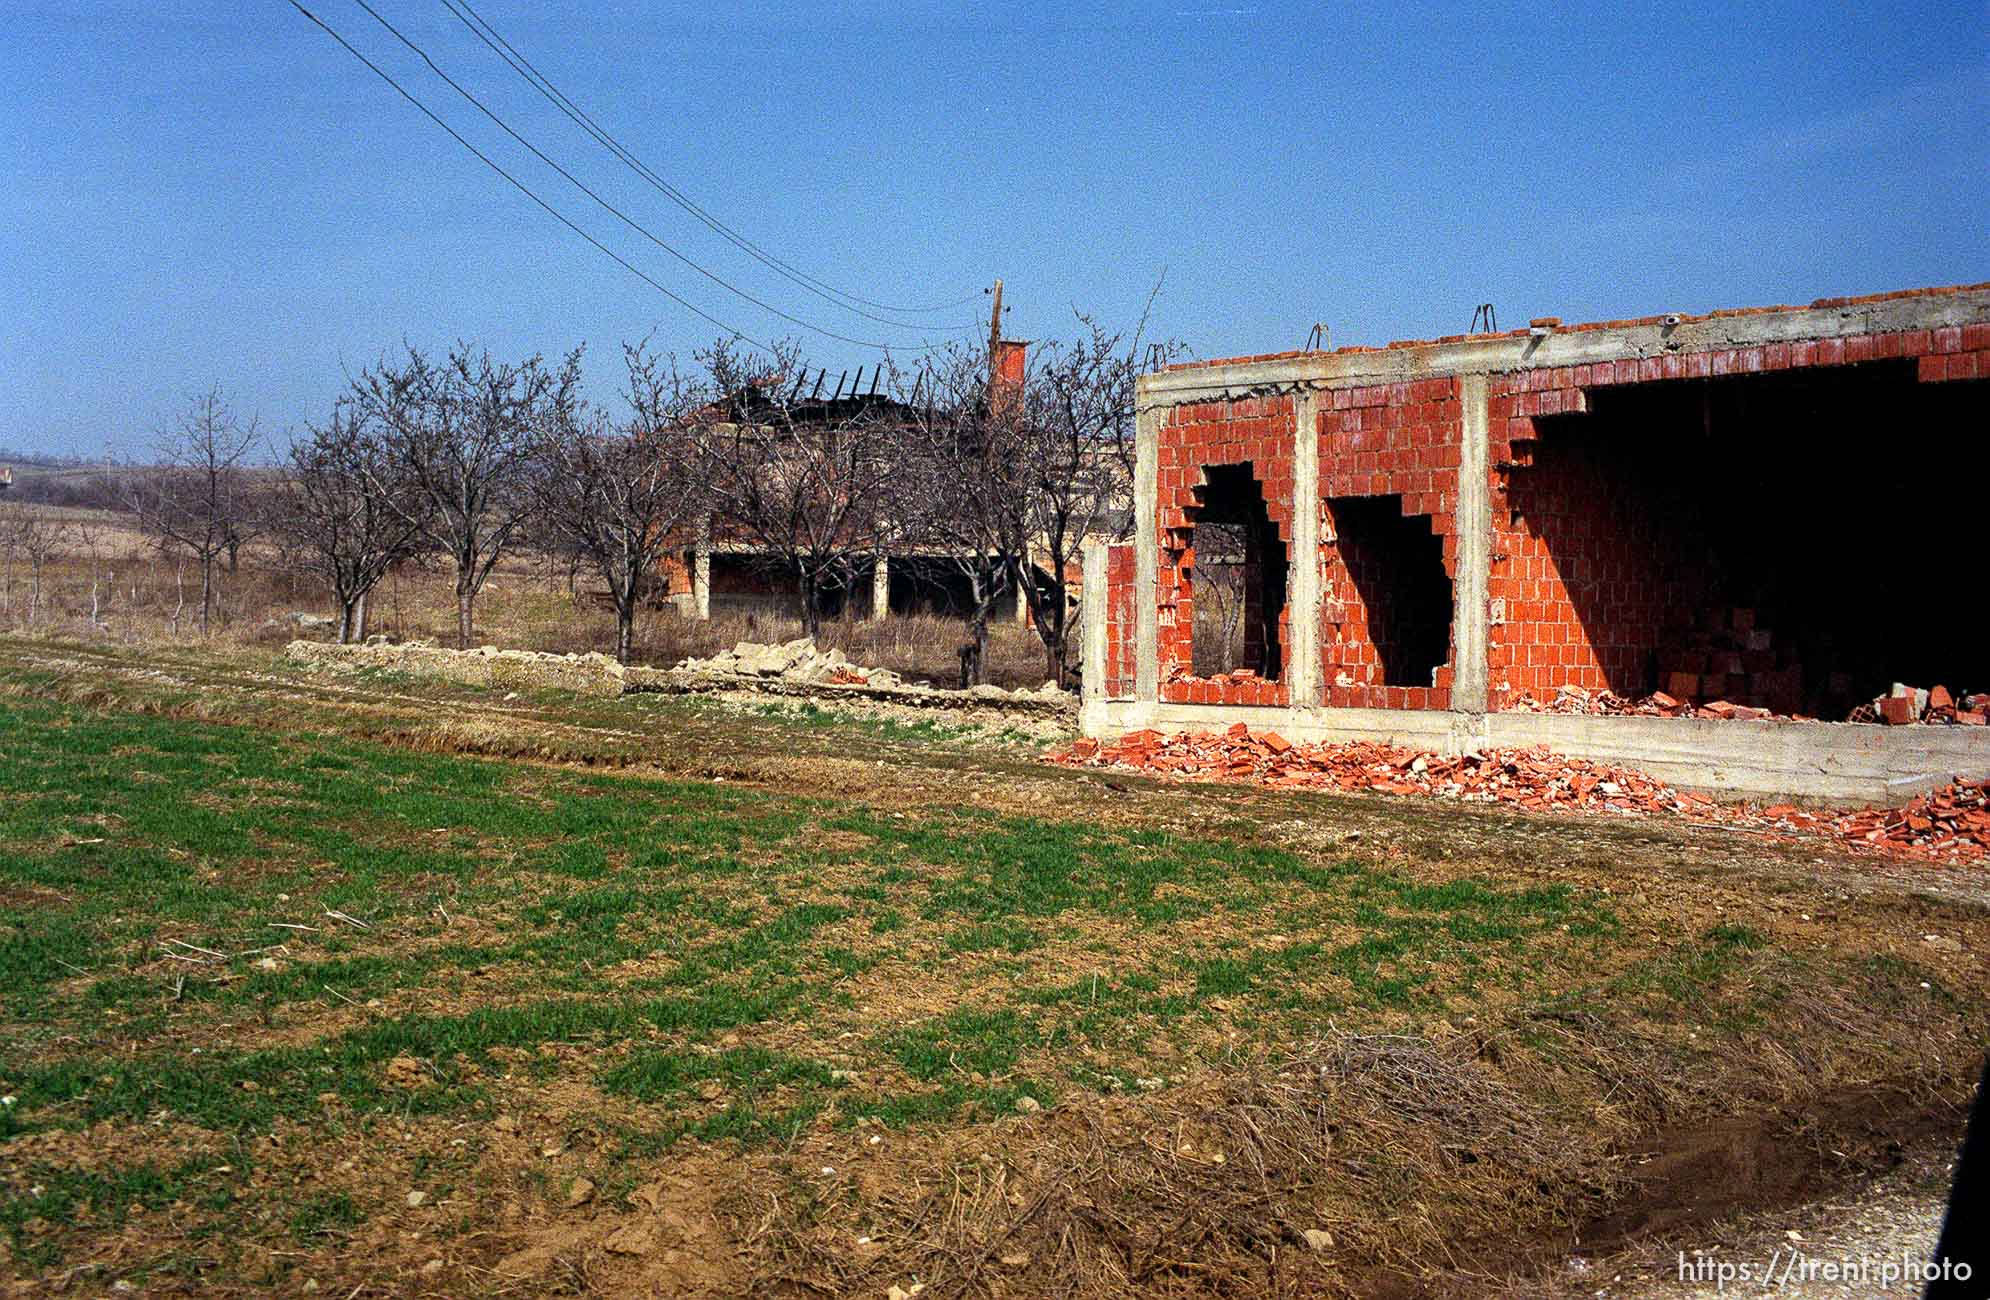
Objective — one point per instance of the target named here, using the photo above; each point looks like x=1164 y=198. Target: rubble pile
x=1949 y=824
x=1902 y=706
x=487 y=666
x=1659 y=704
x=1906 y=705
x=791 y=661
x=798 y=666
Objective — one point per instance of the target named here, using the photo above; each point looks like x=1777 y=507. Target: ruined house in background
x=722 y=571
x=1443 y=543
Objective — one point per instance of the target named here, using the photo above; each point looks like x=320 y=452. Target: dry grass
x=109 y=583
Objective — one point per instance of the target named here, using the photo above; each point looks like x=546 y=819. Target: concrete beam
x=1470 y=610
x=1499 y=353
x=1302 y=588
x=1146 y=552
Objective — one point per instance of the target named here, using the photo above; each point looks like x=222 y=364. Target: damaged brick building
x=1766 y=510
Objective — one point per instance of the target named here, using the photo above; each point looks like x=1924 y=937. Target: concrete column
x=701 y=575
x=881 y=588
x=1470 y=610
x=1302 y=589
x=1146 y=553
x=1092 y=617
x=1022 y=599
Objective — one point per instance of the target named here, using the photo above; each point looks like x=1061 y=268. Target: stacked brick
x=1727 y=655
x=1253 y=431
x=1397 y=440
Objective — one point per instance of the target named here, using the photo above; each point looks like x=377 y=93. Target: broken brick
x=1895 y=710
x=1950 y=824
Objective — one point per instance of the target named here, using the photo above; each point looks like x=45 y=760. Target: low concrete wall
x=1826 y=762
x=597 y=674
x=589 y=674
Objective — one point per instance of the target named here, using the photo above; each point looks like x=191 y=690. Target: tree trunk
x=811 y=612
x=345 y=622
x=625 y=630
x=465 y=599
x=984 y=608
x=1050 y=627
x=206 y=591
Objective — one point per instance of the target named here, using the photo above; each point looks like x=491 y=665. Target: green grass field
x=649 y=967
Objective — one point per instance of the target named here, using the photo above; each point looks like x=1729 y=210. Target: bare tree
x=1020 y=471
x=38 y=536
x=91 y=537
x=10 y=546
x=19 y=527
x=963 y=499
x=463 y=432
x=620 y=500
x=1076 y=460
x=807 y=482
x=1220 y=601
x=200 y=500
x=348 y=510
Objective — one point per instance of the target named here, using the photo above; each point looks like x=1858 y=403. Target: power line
x=520 y=186
x=620 y=215
x=579 y=116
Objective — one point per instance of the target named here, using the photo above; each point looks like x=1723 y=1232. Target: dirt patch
x=668 y=1239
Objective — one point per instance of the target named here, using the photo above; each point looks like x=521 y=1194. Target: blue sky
x=216 y=193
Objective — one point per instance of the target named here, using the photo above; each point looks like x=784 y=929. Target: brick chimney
x=1011 y=361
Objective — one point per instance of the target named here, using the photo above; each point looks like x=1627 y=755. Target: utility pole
x=994 y=342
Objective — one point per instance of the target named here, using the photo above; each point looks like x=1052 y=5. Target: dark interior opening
x=1795 y=540
x=1238 y=574
x=1397 y=566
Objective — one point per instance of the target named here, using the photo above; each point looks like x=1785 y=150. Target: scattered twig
x=291 y=925
x=205 y=952
x=349 y=920
x=340 y=996
x=78 y=969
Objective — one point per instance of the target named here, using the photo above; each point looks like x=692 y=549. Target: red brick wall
x=1257 y=431
x=1119 y=621
x=1384 y=440
x=1404 y=440
x=1590 y=560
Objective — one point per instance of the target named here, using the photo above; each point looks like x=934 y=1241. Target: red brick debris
x=1950 y=824
x=1904 y=706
